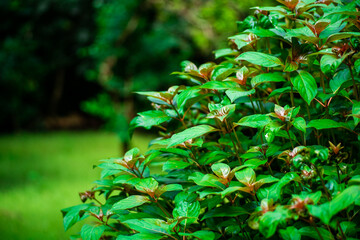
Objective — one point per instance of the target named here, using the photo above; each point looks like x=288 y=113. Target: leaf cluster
x=261 y=145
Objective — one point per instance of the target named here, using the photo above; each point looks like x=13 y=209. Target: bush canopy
x=262 y=144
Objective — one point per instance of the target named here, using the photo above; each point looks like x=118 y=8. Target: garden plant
x=264 y=143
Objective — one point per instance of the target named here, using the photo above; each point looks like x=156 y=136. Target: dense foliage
x=138 y=43
x=263 y=144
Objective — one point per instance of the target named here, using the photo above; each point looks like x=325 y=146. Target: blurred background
x=68 y=71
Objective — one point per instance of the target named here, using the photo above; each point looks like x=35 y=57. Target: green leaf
x=290 y=233
x=89 y=232
x=210 y=180
x=270 y=220
x=315 y=197
x=185 y=196
x=278 y=9
x=222 y=113
x=262 y=59
x=147 y=185
x=266 y=77
x=212 y=156
x=262 y=32
x=312 y=233
x=254 y=163
x=110 y=168
x=127 y=178
x=274 y=191
x=356 y=112
x=355 y=180
x=324 y=124
x=254 y=121
x=339 y=79
x=157 y=97
x=348 y=227
x=271 y=130
x=224 y=52
x=186 y=95
x=130 y=202
x=332 y=29
x=229 y=190
x=186 y=66
x=175 y=164
x=190 y=133
x=246 y=176
x=272 y=150
x=299 y=32
x=73 y=215
x=151 y=118
x=176 y=151
x=305 y=84
x=329 y=64
x=291 y=66
x=236 y=93
x=202 y=235
x=222 y=71
x=148 y=225
x=225 y=211
x=279 y=91
x=221 y=170
x=132 y=153
x=219 y=85
x=172 y=187
x=357 y=66
x=140 y=236
x=262 y=179
x=241 y=40
x=300 y=124
x=343 y=200
x=188 y=210
x=342 y=35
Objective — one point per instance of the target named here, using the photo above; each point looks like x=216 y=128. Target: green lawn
x=43 y=173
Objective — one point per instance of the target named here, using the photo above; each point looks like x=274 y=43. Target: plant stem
x=163 y=210
x=242 y=230
x=232 y=140
x=181 y=119
x=292 y=95
x=236 y=150
x=292 y=89
x=260 y=103
x=270 y=170
x=354 y=84
x=98 y=201
x=238 y=142
x=322 y=83
x=237 y=139
x=308 y=111
x=317 y=137
x=268 y=45
x=317 y=230
x=342 y=232
x=292 y=145
x=116 y=230
x=252 y=104
x=250 y=97
x=322 y=182
x=304 y=138
x=337 y=171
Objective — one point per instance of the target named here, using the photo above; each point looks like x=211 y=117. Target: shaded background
x=74 y=65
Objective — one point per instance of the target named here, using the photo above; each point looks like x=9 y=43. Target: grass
x=43 y=173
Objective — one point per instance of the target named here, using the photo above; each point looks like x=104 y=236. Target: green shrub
x=261 y=145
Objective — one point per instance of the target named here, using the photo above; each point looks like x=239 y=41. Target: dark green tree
x=41 y=72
